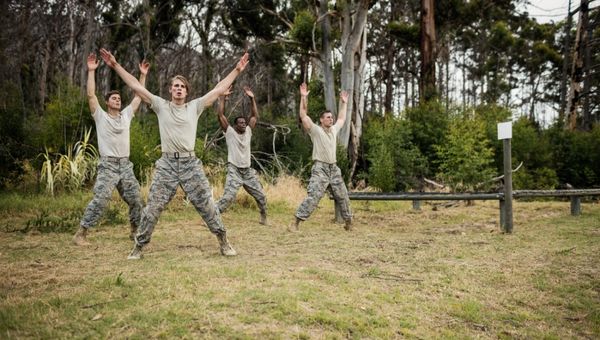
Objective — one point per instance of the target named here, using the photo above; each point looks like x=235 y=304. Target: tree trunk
x=576 y=74
x=146 y=29
x=352 y=32
x=427 y=88
x=88 y=38
x=71 y=7
x=358 y=114
x=44 y=74
x=325 y=56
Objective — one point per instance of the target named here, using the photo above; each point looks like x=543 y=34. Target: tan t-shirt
x=177 y=123
x=113 y=133
x=324 y=143
x=238 y=147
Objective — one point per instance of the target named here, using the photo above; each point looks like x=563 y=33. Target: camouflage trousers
x=324 y=175
x=246 y=177
x=170 y=173
x=114 y=172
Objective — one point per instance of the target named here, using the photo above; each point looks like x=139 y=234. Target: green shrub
x=576 y=156
x=395 y=163
x=64 y=121
x=536 y=179
x=466 y=159
x=144 y=144
x=70 y=171
x=381 y=172
x=428 y=124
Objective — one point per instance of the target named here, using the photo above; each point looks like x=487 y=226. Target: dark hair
x=238 y=117
x=110 y=93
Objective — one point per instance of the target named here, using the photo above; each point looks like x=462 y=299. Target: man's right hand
x=92 y=62
x=248 y=92
x=108 y=58
x=243 y=62
x=227 y=92
x=304 y=90
x=144 y=67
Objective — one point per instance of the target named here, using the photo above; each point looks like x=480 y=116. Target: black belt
x=178 y=155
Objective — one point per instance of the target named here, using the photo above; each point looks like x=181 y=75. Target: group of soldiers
x=178 y=165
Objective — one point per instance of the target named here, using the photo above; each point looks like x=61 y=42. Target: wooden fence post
x=575 y=205
x=505 y=134
x=416 y=205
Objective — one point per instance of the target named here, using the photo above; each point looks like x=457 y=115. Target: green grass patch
x=446 y=272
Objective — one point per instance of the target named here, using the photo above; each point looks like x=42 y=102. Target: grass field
x=436 y=273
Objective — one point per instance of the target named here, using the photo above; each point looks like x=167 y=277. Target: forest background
x=429 y=80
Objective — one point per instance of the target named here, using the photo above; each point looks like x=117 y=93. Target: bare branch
x=286 y=21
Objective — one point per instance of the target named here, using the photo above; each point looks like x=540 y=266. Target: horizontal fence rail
x=423 y=196
x=416 y=197
x=556 y=193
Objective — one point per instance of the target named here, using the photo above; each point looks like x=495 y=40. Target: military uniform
x=114 y=168
x=178 y=166
x=239 y=172
x=324 y=173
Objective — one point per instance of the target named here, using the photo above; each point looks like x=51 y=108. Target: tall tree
x=427 y=87
x=354 y=18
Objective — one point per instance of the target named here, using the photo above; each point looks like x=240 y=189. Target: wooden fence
x=575 y=196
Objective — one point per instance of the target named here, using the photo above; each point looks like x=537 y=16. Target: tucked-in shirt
x=324 y=143
x=238 y=147
x=113 y=132
x=177 y=123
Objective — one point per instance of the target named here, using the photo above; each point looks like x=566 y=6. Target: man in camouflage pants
x=239 y=172
x=324 y=172
x=178 y=121
x=114 y=168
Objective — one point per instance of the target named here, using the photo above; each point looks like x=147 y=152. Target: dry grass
x=401 y=274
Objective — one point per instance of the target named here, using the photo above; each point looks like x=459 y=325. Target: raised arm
x=304 y=118
x=222 y=86
x=144 y=67
x=254 y=111
x=221 y=110
x=342 y=112
x=92 y=65
x=130 y=80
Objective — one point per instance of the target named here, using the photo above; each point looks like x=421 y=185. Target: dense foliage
x=494 y=63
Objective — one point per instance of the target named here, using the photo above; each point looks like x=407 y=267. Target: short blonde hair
x=183 y=80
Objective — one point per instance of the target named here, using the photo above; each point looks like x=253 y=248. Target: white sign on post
x=505 y=130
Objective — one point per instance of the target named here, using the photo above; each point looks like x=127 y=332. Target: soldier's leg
x=198 y=190
x=316 y=189
x=254 y=188
x=340 y=195
x=106 y=180
x=162 y=190
x=232 y=185
x=129 y=189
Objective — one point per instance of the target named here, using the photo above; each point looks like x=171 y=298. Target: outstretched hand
x=227 y=92
x=144 y=66
x=108 y=58
x=304 y=90
x=92 y=62
x=241 y=65
x=344 y=96
x=248 y=91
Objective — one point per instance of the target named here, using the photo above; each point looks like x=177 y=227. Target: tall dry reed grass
x=287 y=189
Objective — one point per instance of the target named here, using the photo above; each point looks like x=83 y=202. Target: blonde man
x=178 y=166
